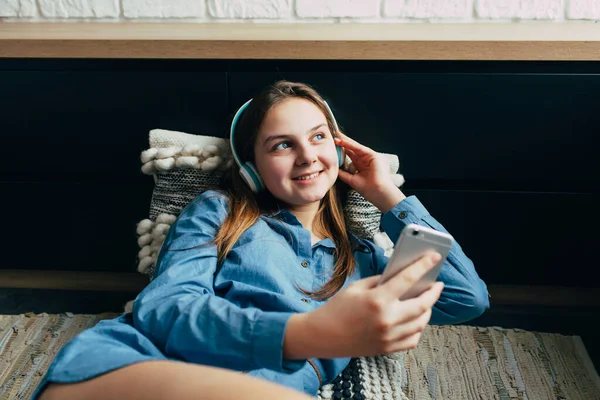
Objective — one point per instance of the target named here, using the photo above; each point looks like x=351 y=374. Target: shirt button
x=304 y=264
x=304 y=300
x=402 y=214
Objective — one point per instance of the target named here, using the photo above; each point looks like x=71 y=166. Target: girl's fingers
x=352 y=144
x=407 y=329
x=355 y=160
x=367 y=283
x=345 y=176
x=407 y=343
x=350 y=152
x=360 y=161
x=400 y=283
x=410 y=309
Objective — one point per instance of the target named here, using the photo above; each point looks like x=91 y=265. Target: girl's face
x=295 y=153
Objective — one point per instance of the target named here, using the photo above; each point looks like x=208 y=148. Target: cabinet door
x=72 y=137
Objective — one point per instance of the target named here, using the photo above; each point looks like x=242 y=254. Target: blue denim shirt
x=237 y=319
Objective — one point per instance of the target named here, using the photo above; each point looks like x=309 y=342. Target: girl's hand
x=372 y=178
x=365 y=319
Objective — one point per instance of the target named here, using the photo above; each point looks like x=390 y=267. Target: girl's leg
x=152 y=380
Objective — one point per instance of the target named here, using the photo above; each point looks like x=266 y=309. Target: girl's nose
x=306 y=155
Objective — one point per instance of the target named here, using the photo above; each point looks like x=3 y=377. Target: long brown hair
x=246 y=207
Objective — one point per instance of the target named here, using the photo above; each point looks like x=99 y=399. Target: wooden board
x=369 y=41
x=134 y=282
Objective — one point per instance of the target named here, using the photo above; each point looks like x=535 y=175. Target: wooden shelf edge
x=375 y=31
x=73 y=280
x=135 y=282
x=303 y=50
x=377 y=41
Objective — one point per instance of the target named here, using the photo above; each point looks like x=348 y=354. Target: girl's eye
x=287 y=144
x=281 y=146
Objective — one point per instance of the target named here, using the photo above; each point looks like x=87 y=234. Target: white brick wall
x=162 y=9
x=250 y=9
x=337 y=8
x=18 y=8
x=79 y=8
x=523 y=9
x=584 y=9
x=299 y=10
x=455 y=9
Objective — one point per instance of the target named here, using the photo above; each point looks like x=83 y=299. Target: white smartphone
x=414 y=241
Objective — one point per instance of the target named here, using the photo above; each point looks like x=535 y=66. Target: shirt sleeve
x=465 y=295
x=180 y=312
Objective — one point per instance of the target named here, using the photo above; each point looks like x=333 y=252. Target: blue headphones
x=248 y=171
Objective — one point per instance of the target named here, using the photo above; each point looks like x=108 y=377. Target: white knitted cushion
x=185 y=165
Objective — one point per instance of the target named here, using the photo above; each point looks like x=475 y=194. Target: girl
x=264 y=277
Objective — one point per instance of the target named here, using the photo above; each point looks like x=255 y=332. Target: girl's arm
x=181 y=314
x=465 y=295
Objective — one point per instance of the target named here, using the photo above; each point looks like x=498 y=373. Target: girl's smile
x=308 y=178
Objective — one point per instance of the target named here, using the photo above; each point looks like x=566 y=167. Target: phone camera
x=415 y=232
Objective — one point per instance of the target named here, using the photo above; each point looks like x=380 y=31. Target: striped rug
x=451 y=362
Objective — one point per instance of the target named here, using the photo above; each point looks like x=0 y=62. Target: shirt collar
x=284 y=215
x=355 y=242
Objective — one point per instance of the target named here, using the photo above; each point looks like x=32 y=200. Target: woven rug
x=451 y=362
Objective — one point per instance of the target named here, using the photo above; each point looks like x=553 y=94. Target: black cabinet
x=503 y=154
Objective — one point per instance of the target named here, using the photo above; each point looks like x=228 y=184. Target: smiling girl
x=264 y=278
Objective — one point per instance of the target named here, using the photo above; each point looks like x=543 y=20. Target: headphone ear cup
x=341 y=155
x=252 y=177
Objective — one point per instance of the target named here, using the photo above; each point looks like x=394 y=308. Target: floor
x=567 y=320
